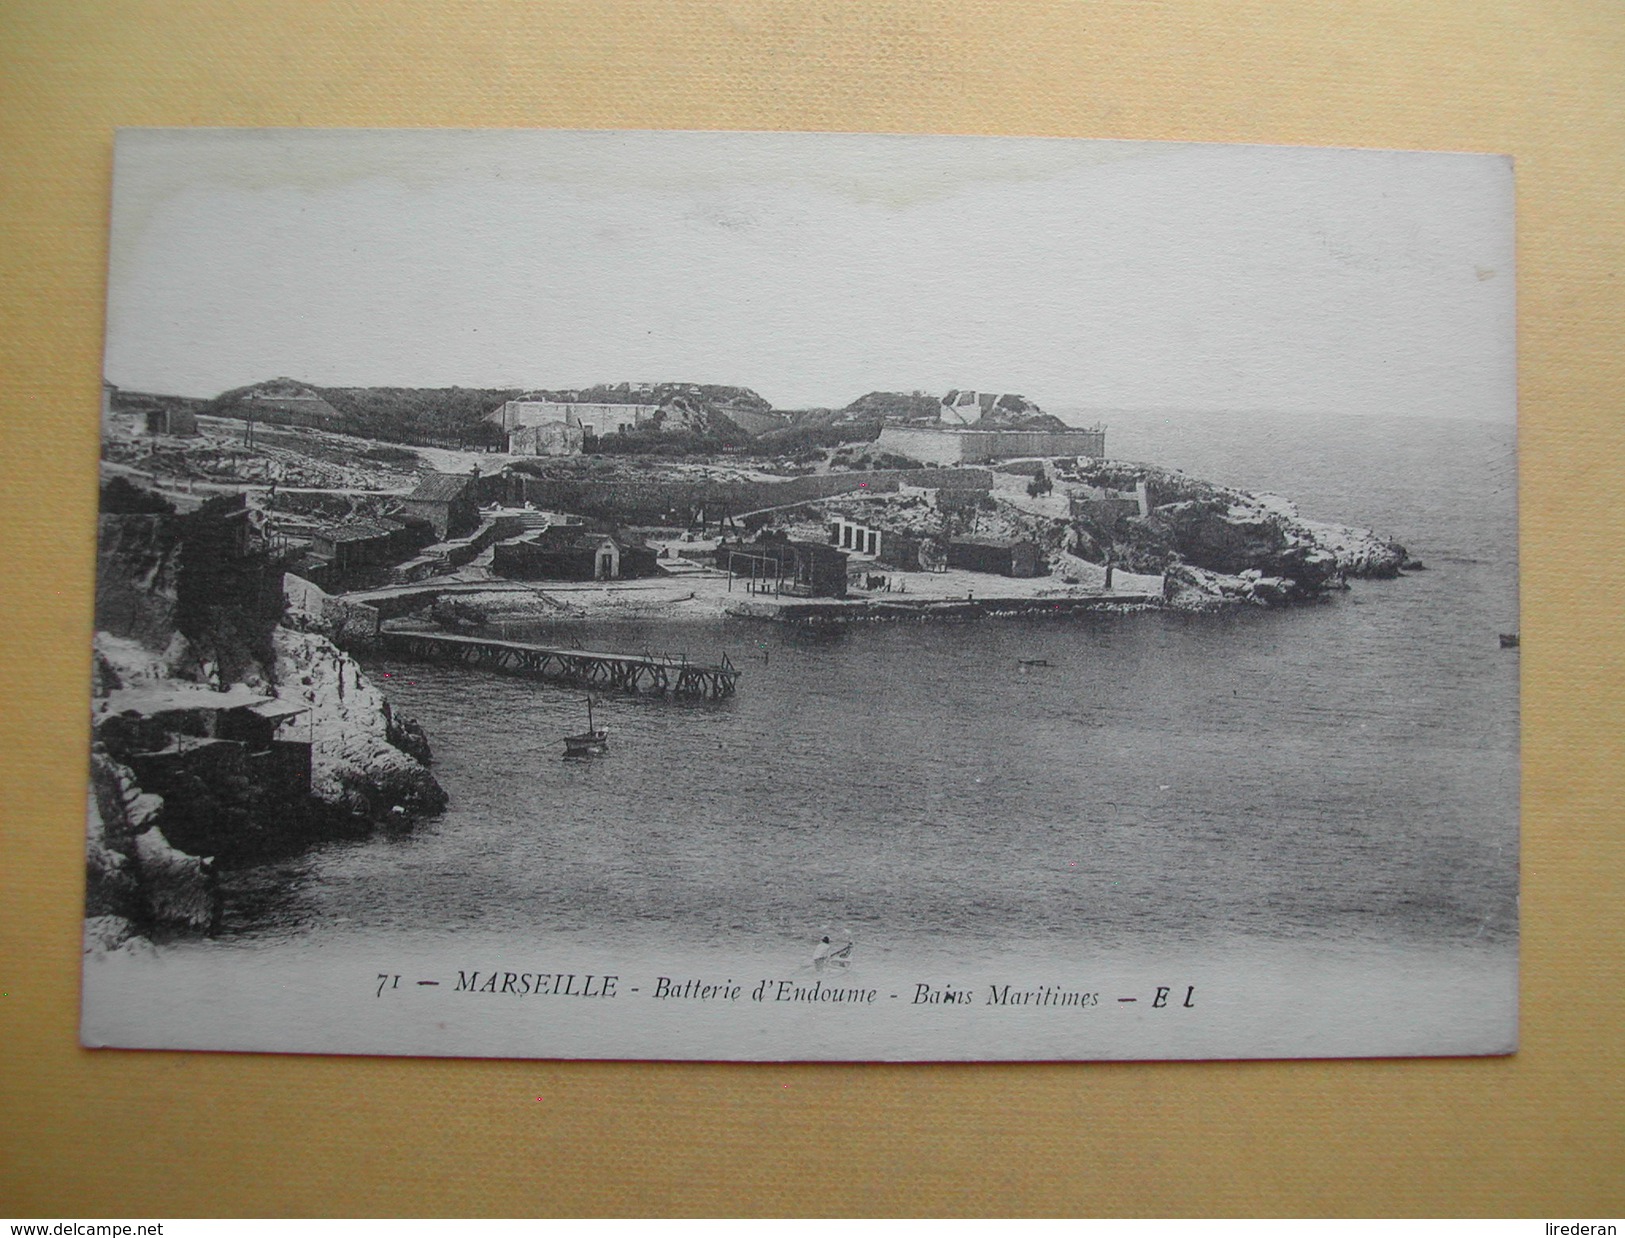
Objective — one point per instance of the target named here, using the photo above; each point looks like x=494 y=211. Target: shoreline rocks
x=152 y=859
x=1215 y=544
x=365 y=758
x=153 y=852
x=1196 y=589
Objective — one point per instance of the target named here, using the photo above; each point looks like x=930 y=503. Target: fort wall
x=949 y=446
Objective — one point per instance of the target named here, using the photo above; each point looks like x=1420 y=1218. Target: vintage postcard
x=804 y=596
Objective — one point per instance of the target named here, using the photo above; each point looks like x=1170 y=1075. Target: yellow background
x=154 y=1134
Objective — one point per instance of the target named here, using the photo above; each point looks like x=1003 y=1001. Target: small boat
x=1033 y=661
x=830 y=955
x=594 y=739
x=1509 y=640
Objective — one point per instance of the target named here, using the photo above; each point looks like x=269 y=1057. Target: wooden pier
x=584 y=668
x=935 y=610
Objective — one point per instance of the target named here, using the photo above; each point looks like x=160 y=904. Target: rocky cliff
x=365 y=758
x=221 y=733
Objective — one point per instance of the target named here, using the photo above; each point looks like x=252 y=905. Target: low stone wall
x=983 y=446
x=756 y=423
x=931 y=446
x=1007 y=444
x=347 y=623
x=1105 y=510
x=660 y=501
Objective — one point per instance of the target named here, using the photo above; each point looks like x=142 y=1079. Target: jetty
x=662 y=674
x=928 y=609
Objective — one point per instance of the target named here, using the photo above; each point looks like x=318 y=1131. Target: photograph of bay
x=557 y=596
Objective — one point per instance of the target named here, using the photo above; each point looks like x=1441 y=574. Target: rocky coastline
x=1217 y=546
x=1106 y=531
x=230 y=723
x=227 y=726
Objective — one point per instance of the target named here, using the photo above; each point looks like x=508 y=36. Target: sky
x=813 y=268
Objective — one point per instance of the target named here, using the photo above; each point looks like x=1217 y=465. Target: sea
x=1258 y=833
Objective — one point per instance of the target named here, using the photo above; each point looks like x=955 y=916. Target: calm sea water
x=1340 y=773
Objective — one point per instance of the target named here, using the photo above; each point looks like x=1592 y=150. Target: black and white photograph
x=793 y=597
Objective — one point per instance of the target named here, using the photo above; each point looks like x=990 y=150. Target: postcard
x=763 y=596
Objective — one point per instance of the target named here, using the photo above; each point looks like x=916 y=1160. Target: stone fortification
x=949 y=446
x=598 y=419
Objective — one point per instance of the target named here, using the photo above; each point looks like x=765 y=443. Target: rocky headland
x=1215 y=545
x=1187 y=543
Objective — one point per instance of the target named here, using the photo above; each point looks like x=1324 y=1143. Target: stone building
x=563 y=552
x=996 y=556
x=358 y=544
x=591 y=420
x=953 y=445
x=1107 y=504
x=447 y=501
x=548 y=438
x=170 y=420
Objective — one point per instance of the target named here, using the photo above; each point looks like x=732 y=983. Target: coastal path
x=629 y=672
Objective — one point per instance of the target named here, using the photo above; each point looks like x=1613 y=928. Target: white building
x=549 y=438
x=597 y=420
x=851 y=536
